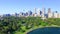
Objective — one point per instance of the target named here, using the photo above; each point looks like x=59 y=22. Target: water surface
x=47 y=30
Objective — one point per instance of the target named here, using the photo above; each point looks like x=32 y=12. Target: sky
x=16 y=6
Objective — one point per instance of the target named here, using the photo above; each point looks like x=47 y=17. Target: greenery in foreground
x=19 y=25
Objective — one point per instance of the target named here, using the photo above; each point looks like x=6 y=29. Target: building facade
x=50 y=14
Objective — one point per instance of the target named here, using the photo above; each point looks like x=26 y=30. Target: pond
x=46 y=30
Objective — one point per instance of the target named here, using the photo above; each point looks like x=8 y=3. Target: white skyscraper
x=35 y=12
x=38 y=12
x=49 y=13
x=55 y=15
x=58 y=15
x=43 y=13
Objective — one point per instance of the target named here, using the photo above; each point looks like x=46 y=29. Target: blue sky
x=12 y=6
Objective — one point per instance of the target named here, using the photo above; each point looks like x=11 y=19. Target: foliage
x=19 y=25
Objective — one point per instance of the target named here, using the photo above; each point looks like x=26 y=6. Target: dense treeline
x=9 y=25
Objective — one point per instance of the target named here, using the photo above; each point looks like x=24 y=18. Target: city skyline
x=16 y=6
x=37 y=13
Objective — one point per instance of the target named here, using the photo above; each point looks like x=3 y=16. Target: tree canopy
x=11 y=25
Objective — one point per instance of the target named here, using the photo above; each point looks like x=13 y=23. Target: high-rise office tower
x=26 y=13
x=49 y=13
x=16 y=15
x=58 y=15
x=6 y=15
x=35 y=9
x=30 y=13
x=38 y=13
x=55 y=15
x=43 y=13
x=21 y=14
x=35 y=12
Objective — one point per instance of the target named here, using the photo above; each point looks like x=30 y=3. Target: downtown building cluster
x=36 y=13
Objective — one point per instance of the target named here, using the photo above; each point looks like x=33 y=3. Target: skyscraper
x=30 y=13
x=35 y=12
x=58 y=15
x=43 y=13
x=55 y=14
x=35 y=9
x=49 y=13
x=21 y=14
x=38 y=12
